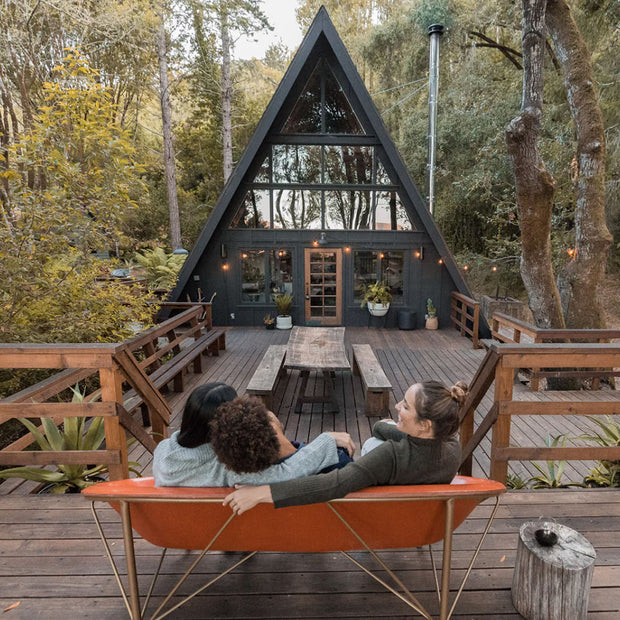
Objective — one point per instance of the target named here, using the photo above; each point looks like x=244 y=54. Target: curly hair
x=242 y=436
x=439 y=404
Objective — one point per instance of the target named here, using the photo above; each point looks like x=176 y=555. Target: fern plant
x=162 y=269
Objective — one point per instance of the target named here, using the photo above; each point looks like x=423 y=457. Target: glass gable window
x=296 y=163
x=254 y=211
x=262 y=267
x=322 y=106
x=296 y=209
x=385 y=267
x=332 y=183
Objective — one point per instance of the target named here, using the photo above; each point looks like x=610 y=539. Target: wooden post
x=552 y=583
x=500 y=437
x=115 y=438
x=466 y=432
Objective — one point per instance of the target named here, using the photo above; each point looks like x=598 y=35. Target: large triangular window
x=322 y=106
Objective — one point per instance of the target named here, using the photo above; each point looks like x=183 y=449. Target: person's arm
x=375 y=468
x=312 y=458
x=387 y=430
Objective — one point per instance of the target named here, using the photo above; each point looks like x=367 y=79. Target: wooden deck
x=53 y=565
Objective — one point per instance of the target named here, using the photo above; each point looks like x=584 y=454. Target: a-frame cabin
x=319 y=205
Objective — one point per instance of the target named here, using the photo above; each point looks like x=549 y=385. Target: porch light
x=315 y=243
x=347 y=249
x=419 y=253
x=225 y=266
x=322 y=240
x=381 y=255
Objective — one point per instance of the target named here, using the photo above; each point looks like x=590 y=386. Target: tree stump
x=552 y=582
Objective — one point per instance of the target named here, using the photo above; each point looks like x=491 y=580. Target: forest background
x=82 y=149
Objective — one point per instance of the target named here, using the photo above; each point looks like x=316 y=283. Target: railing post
x=115 y=438
x=476 y=326
x=500 y=438
x=466 y=432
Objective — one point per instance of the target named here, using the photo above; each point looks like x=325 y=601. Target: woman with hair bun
x=421 y=448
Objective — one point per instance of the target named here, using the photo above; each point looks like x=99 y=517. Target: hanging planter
x=377 y=298
x=378 y=309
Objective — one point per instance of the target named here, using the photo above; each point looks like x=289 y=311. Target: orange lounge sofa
x=370 y=519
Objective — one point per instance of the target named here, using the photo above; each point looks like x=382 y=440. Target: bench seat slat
x=265 y=376
x=376 y=383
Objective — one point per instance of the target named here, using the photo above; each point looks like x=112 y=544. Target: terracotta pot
x=432 y=323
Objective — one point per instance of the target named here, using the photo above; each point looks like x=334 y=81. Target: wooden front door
x=323 y=286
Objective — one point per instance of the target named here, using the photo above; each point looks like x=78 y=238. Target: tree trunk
x=227 y=91
x=534 y=185
x=581 y=279
x=166 y=120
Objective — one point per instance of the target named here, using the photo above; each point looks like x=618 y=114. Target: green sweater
x=402 y=459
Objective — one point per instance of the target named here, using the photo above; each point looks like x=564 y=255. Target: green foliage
x=377 y=293
x=514 y=481
x=69 y=182
x=429 y=12
x=431 y=311
x=551 y=477
x=284 y=303
x=606 y=434
x=162 y=269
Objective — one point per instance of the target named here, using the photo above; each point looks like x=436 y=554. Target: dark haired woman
x=421 y=449
x=187 y=459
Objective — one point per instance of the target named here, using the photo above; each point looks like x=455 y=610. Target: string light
x=494 y=268
x=315 y=243
x=225 y=266
x=440 y=261
x=465 y=267
x=381 y=255
x=347 y=249
x=244 y=255
x=572 y=252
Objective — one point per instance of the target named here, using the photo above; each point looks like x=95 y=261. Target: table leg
x=301 y=396
x=329 y=397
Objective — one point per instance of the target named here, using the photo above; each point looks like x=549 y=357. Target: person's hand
x=246 y=497
x=343 y=440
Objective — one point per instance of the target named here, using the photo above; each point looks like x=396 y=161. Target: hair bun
x=459 y=392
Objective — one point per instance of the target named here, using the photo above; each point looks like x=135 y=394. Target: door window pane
x=390 y=213
x=392 y=272
x=296 y=209
x=296 y=163
x=254 y=210
x=281 y=272
x=348 y=210
x=348 y=164
x=364 y=272
x=253 y=276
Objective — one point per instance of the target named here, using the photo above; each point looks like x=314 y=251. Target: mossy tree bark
x=580 y=281
x=535 y=186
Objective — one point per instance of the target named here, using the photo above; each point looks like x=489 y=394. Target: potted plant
x=284 y=303
x=377 y=298
x=431 y=315
x=269 y=321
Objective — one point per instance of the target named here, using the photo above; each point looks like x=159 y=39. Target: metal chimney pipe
x=434 y=32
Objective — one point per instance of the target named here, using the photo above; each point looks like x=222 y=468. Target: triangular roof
x=321 y=32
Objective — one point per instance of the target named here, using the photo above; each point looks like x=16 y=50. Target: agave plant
x=551 y=478
x=606 y=473
x=72 y=436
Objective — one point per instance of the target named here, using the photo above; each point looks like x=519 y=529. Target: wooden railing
x=510 y=330
x=130 y=375
x=499 y=366
x=465 y=316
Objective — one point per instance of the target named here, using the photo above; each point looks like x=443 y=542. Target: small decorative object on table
x=431 y=315
x=284 y=303
x=377 y=297
x=269 y=321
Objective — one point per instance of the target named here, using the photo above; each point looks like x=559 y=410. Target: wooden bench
x=265 y=377
x=376 y=384
x=194 y=518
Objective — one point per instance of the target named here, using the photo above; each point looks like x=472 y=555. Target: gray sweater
x=402 y=459
x=176 y=466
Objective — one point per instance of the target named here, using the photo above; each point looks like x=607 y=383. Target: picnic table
x=319 y=349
